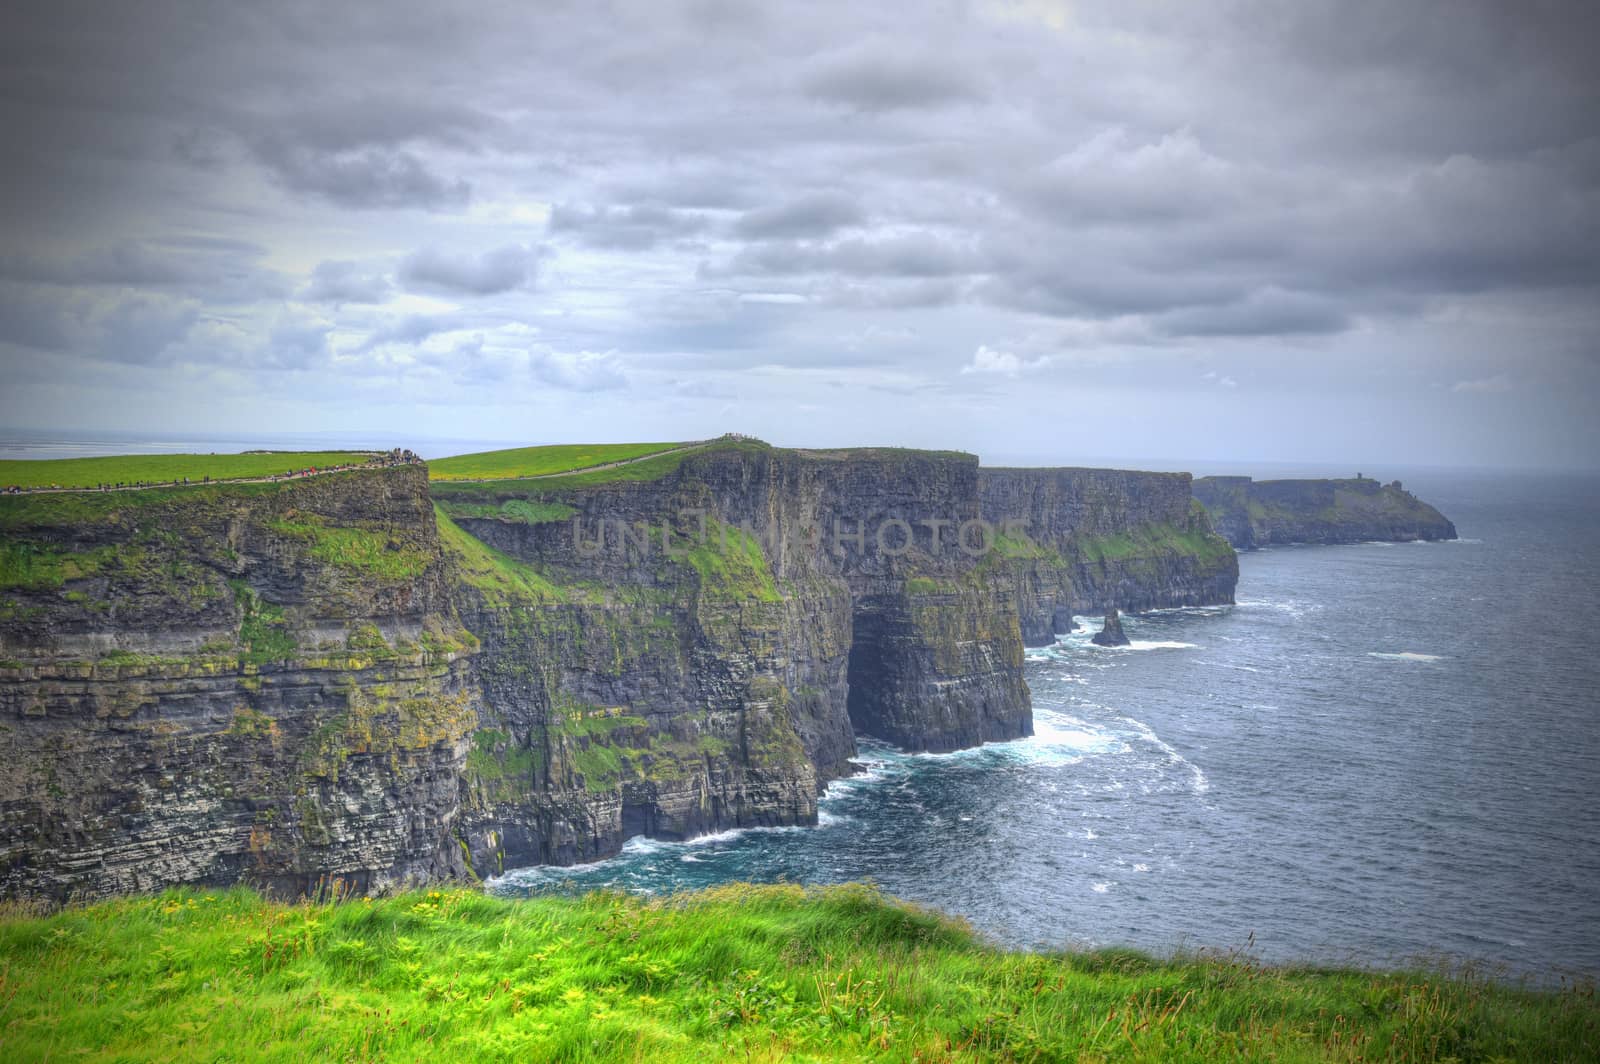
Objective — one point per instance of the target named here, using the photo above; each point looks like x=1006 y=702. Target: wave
x=1198 y=784
x=1405 y=655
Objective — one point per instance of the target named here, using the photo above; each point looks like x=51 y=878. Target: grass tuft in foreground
x=737 y=972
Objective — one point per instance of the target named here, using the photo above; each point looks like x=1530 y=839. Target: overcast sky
x=1302 y=231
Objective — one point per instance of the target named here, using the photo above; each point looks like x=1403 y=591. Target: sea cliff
x=1258 y=513
x=370 y=679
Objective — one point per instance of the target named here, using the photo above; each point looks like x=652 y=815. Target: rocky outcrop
x=1110 y=633
x=368 y=679
x=1258 y=513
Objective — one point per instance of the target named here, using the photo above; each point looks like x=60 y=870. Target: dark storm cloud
x=499 y=270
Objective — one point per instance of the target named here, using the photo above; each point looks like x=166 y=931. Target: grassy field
x=163 y=468
x=538 y=461
x=737 y=973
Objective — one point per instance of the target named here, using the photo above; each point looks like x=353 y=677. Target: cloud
x=1269 y=312
x=632 y=228
x=412 y=329
x=581 y=371
x=118 y=326
x=989 y=360
x=366 y=178
x=884 y=78
x=337 y=281
x=816 y=215
x=296 y=340
x=1495 y=385
x=218 y=270
x=499 y=270
x=909 y=254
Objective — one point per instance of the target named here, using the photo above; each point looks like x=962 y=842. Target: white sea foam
x=1141 y=868
x=1101 y=888
x=1198 y=782
x=1405 y=655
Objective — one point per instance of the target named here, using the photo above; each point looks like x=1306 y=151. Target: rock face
x=208 y=685
x=1097 y=538
x=1257 y=513
x=1110 y=634
x=369 y=679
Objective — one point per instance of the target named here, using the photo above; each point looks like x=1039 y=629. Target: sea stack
x=1110 y=635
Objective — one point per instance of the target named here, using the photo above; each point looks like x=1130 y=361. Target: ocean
x=1382 y=754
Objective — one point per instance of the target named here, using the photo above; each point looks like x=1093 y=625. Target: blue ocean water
x=1383 y=753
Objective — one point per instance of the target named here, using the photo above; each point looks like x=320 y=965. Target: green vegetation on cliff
x=1147 y=540
x=738 y=972
x=539 y=461
x=164 y=468
x=731 y=565
x=372 y=552
x=500 y=578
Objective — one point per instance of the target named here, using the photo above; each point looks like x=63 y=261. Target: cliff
x=203 y=685
x=369 y=678
x=1257 y=513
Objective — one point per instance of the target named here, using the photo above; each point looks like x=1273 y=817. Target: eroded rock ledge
x=367 y=679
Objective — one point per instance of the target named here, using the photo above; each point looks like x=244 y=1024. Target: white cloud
x=1004 y=363
x=578 y=371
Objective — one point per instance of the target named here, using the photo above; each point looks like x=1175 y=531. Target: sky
x=1323 y=231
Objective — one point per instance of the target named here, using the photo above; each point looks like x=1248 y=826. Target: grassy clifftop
x=518 y=462
x=739 y=972
x=165 y=468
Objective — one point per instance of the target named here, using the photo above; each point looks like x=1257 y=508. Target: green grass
x=35 y=567
x=163 y=468
x=366 y=551
x=523 y=511
x=735 y=973
x=499 y=577
x=1147 y=540
x=263 y=630
x=538 y=461
x=731 y=565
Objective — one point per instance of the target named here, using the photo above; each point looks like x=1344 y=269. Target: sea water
x=1382 y=753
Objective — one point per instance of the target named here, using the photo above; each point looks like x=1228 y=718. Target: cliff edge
x=1258 y=513
x=366 y=679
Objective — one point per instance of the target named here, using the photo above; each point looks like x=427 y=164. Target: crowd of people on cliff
x=396 y=456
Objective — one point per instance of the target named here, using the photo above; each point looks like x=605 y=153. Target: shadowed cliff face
x=357 y=678
x=1257 y=513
